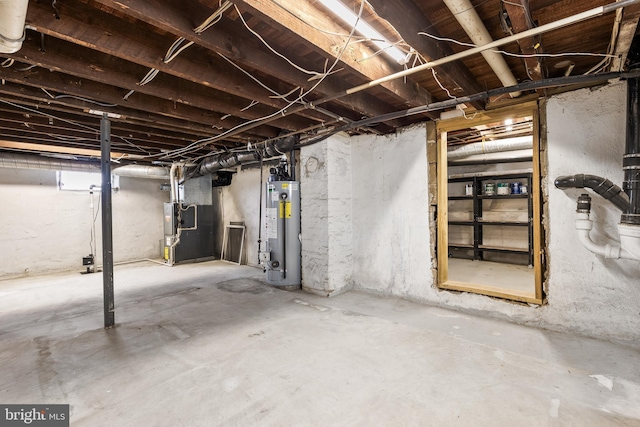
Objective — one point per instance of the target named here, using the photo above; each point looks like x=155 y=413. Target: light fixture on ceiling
x=350 y=18
x=509 y=123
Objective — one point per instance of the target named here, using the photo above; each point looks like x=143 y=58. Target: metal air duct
x=31 y=161
x=142 y=171
x=494 y=146
x=470 y=21
x=12 y=17
x=229 y=160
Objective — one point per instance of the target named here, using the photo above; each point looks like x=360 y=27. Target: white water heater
x=281 y=256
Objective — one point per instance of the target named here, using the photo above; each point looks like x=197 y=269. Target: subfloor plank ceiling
x=183 y=80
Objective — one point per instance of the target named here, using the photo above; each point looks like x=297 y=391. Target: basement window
x=489 y=226
x=83 y=181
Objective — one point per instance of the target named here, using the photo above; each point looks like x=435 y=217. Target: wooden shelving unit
x=478 y=223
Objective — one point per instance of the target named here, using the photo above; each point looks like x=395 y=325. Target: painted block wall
x=590 y=293
x=45 y=230
x=240 y=201
x=327 y=222
x=586 y=294
x=391 y=239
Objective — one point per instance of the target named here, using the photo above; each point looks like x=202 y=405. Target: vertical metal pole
x=107 y=237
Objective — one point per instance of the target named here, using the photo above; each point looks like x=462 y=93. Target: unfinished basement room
x=320 y=213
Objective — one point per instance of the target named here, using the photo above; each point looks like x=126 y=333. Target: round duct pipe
x=220 y=161
x=497 y=157
x=142 y=171
x=31 y=161
x=12 y=18
x=507 y=144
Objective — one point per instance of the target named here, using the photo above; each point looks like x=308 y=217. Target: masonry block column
x=327 y=228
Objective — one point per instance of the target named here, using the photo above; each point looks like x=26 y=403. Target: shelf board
x=505 y=196
x=461 y=198
x=461 y=223
x=490 y=175
x=510 y=223
x=460 y=246
x=503 y=249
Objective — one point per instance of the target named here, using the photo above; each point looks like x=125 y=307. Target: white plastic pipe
x=629 y=235
x=630 y=240
x=584 y=226
x=12 y=17
x=470 y=21
x=173 y=178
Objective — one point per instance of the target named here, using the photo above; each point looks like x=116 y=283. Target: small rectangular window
x=81 y=181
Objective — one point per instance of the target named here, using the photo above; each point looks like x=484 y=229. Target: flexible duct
x=142 y=171
x=229 y=160
x=602 y=186
x=12 y=17
x=468 y=18
x=30 y=161
x=506 y=144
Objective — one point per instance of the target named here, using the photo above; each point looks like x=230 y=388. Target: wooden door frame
x=445 y=126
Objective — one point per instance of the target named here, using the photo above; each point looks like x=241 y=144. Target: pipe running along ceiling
x=195 y=83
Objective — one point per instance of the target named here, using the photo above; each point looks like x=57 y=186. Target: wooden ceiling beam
x=59 y=84
x=409 y=21
x=354 y=57
x=100 y=31
x=43 y=125
x=42 y=148
x=235 y=44
x=36 y=100
x=518 y=11
x=84 y=63
x=626 y=33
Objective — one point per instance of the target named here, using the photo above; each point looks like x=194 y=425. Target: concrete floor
x=208 y=344
x=510 y=277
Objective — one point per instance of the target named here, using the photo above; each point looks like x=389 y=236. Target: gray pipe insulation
x=229 y=160
x=602 y=186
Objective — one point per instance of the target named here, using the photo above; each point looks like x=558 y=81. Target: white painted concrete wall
x=241 y=202
x=586 y=294
x=46 y=230
x=591 y=294
x=391 y=242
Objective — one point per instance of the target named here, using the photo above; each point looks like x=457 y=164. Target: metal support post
x=107 y=226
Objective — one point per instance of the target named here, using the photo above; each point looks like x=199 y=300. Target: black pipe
x=292 y=160
x=441 y=105
x=602 y=186
x=631 y=159
x=273 y=148
x=260 y=213
x=107 y=223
